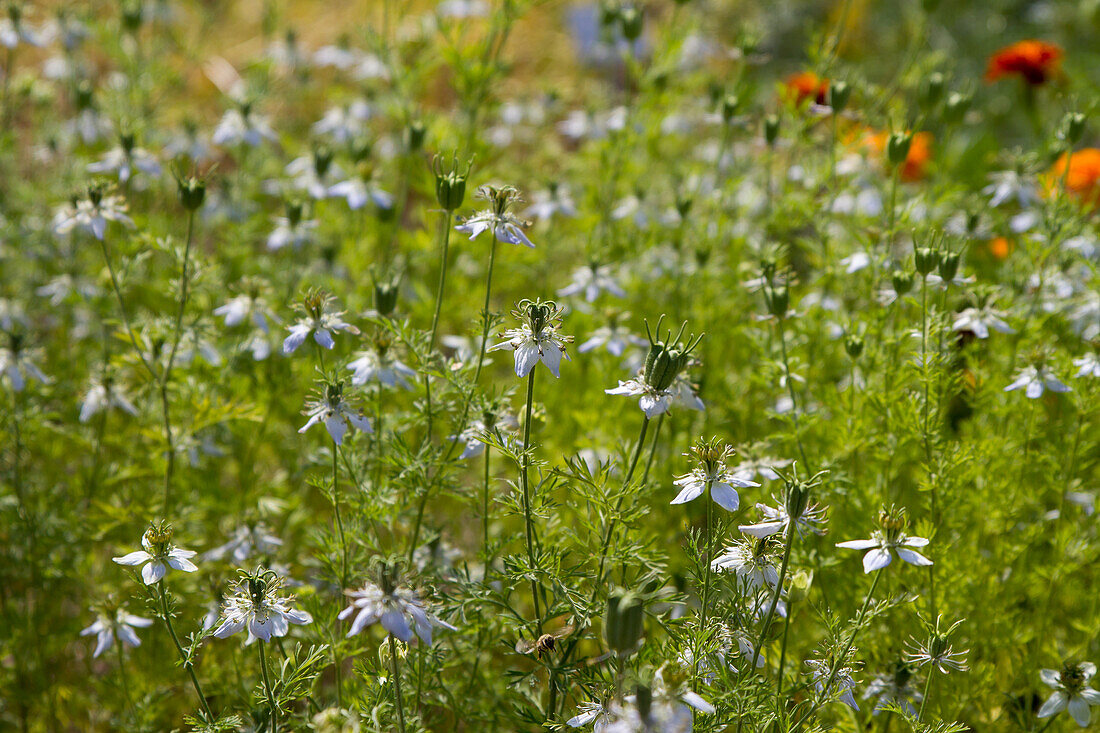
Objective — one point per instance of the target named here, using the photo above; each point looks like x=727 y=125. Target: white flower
x=762 y=468
x=16 y=365
x=1036 y=380
x=592 y=280
x=653 y=401
x=399 y=611
x=13 y=31
x=343 y=124
x=312 y=174
x=776 y=519
x=979 y=320
x=357 y=192
x=255 y=605
x=713 y=473
x=590 y=713
x=384 y=369
x=555 y=202
x=633 y=208
x=246 y=307
x=474 y=435
x=504 y=225
x=615 y=338
x=320 y=320
x=841 y=684
x=92 y=214
x=893 y=689
x=537 y=339
x=335 y=412
x=879 y=549
x=123 y=161
x=1010 y=185
x=750 y=562
x=295 y=233
x=1072 y=691
x=239 y=126
x=103 y=395
x=245 y=541
x=159 y=555
x=121 y=624
x=1088 y=365
x=670 y=711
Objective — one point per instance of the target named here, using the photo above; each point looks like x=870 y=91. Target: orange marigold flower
x=1000 y=247
x=916 y=162
x=1034 y=61
x=1083 y=178
x=806 y=85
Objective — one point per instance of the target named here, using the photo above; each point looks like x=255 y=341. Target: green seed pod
x=778 y=298
x=414 y=135
x=956 y=107
x=902 y=281
x=631 y=22
x=797 y=499
x=192 y=191
x=839 y=94
x=729 y=107
x=450 y=184
x=771 y=129
x=625 y=622
x=854 y=346
x=322 y=159
x=897 y=147
x=949 y=266
x=385 y=297
x=131 y=16
x=925 y=260
x=1073 y=127
x=294 y=212
x=933 y=90
x=85 y=95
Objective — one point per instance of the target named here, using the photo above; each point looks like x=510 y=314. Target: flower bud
x=925 y=260
x=85 y=95
x=853 y=345
x=643 y=700
x=294 y=212
x=729 y=107
x=897 y=147
x=192 y=191
x=771 y=129
x=1073 y=127
x=839 y=93
x=933 y=90
x=414 y=135
x=625 y=622
x=322 y=159
x=956 y=107
x=385 y=297
x=131 y=16
x=902 y=281
x=778 y=298
x=450 y=184
x=631 y=22
x=797 y=499
x=949 y=266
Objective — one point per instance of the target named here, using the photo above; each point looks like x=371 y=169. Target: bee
x=545 y=643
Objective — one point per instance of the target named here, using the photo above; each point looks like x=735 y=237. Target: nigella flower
x=538 y=339
x=343 y=124
x=126 y=158
x=255 y=605
x=380 y=365
x=590 y=713
x=399 y=610
x=92 y=214
x=245 y=541
x=1088 y=365
x=891 y=537
x=936 y=651
x=1035 y=380
x=592 y=280
x=16 y=363
x=492 y=419
x=661 y=707
x=760 y=467
x=13 y=31
x=894 y=689
x=841 y=684
x=248 y=306
x=241 y=125
x=503 y=224
x=109 y=624
x=314 y=173
x=614 y=337
x=1011 y=186
x=159 y=554
x=978 y=321
x=1071 y=691
x=660 y=383
x=318 y=319
x=291 y=229
x=554 y=202
x=750 y=561
x=103 y=395
x=632 y=207
x=711 y=472
x=335 y=412
x=359 y=189
x=796 y=507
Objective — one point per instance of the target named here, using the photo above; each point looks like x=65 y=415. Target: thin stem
x=446 y=236
x=338 y=520
x=125 y=313
x=397 y=686
x=653 y=448
x=787 y=545
x=525 y=459
x=182 y=654
x=927 y=687
x=782 y=657
x=485 y=312
x=268 y=688
x=485 y=514
x=790 y=391
x=706 y=581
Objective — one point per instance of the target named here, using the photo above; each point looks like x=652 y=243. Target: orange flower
x=916 y=162
x=806 y=85
x=1083 y=178
x=1000 y=247
x=1033 y=61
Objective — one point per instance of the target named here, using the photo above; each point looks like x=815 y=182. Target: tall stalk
x=525 y=459
x=268 y=689
x=184 y=659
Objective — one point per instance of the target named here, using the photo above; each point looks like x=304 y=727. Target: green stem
x=706 y=578
x=182 y=654
x=485 y=313
x=446 y=236
x=485 y=515
x=339 y=521
x=397 y=686
x=927 y=687
x=790 y=391
x=525 y=459
x=268 y=688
